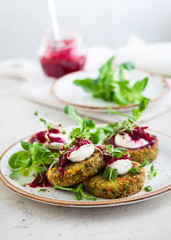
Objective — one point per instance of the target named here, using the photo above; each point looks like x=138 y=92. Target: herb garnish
x=44 y=121
x=116 y=152
x=42 y=190
x=152 y=172
x=47 y=124
x=112 y=86
x=78 y=192
x=136 y=170
x=85 y=125
x=127 y=125
x=148 y=188
x=110 y=173
x=33 y=158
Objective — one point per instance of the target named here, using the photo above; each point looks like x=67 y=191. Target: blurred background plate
x=66 y=91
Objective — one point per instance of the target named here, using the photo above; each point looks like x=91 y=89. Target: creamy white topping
x=53 y=145
x=56 y=145
x=82 y=153
x=126 y=141
x=59 y=135
x=122 y=165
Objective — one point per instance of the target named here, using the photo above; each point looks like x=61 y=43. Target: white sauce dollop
x=56 y=145
x=82 y=153
x=126 y=141
x=122 y=165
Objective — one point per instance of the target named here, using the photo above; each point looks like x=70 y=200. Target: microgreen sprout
x=110 y=173
x=85 y=124
x=78 y=192
x=152 y=172
x=136 y=170
x=42 y=190
x=127 y=125
x=48 y=125
x=116 y=152
x=148 y=188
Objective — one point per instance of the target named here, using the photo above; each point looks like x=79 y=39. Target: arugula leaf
x=112 y=86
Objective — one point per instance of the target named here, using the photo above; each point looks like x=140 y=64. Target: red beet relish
x=40 y=181
x=62 y=57
x=40 y=137
x=110 y=159
x=64 y=161
x=136 y=134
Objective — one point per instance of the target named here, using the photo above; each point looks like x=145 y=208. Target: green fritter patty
x=149 y=153
x=123 y=186
x=77 y=172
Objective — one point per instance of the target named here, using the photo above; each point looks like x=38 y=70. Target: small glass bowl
x=58 y=58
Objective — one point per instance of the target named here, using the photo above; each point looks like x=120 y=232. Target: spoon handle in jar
x=54 y=21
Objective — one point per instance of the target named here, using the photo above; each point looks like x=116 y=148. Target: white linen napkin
x=153 y=57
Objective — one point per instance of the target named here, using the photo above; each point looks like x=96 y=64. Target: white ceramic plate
x=65 y=90
x=160 y=184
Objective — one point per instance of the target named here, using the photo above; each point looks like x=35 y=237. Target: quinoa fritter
x=123 y=186
x=149 y=153
x=77 y=172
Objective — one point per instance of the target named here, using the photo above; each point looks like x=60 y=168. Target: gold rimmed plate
x=67 y=92
x=160 y=184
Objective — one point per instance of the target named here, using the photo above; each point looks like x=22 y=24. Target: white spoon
x=55 y=25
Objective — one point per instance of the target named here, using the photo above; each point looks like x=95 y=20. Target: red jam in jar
x=62 y=57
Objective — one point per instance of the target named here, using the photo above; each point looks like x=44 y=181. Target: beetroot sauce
x=65 y=57
x=64 y=161
x=135 y=135
x=40 y=137
x=40 y=181
x=110 y=159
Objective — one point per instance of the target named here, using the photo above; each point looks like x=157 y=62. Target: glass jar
x=58 y=58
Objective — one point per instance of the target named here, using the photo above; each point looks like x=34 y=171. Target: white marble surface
x=21 y=218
